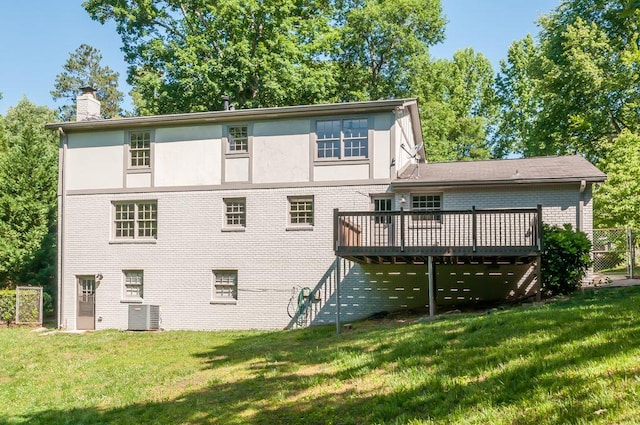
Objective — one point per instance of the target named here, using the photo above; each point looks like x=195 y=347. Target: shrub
x=565 y=259
x=47 y=303
x=7 y=306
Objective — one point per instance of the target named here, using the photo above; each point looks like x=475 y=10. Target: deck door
x=86 y=303
x=383 y=232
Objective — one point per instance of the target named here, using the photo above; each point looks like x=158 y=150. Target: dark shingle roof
x=554 y=169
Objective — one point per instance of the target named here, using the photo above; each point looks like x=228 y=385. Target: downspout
x=61 y=239
x=580 y=221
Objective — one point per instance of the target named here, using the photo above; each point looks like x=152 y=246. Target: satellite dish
x=413 y=152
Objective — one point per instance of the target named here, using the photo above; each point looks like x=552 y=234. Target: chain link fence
x=28 y=305
x=615 y=251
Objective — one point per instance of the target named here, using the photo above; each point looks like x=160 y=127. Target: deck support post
x=432 y=298
x=540 y=247
x=337 y=294
x=539 y=279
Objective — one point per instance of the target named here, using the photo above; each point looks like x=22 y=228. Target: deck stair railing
x=316 y=305
x=465 y=232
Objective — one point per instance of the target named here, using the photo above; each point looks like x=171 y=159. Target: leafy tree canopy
x=617 y=201
x=184 y=55
x=381 y=44
x=576 y=88
x=458 y=106
x=28 y=177
x=83 y=69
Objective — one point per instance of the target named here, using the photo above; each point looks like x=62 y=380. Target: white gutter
x=580 y=218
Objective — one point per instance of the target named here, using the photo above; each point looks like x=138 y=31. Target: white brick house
x=222 y=218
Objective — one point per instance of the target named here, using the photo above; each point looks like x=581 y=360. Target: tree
x=28 y=177
x=184 y=55
x=380 y=44
x=458 y=106
x=83 y=69
x=617 y=200
x=579 y=84
x=519 y=103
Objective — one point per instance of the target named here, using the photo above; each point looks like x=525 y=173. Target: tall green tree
x=184 y=55
x=617 y=200
x=458 y=106
x=83 y=69
x=28 y=178
x=579 y=85
x=3 y=137
x=380 y=44
x=519 y=102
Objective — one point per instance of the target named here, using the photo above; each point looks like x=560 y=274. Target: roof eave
x=235 y=115
x=467 y=183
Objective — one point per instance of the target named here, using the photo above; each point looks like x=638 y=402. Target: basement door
x=86 y=303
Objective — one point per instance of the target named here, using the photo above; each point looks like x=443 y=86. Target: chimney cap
x=88 y=90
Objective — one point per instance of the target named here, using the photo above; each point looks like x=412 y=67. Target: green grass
x=572 y=361
x=620 y=270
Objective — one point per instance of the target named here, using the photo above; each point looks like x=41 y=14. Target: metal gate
x=615 y=251
x=29 y=305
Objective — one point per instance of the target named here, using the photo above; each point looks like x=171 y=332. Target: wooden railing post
x=474 y=228
x=540 y=227
x=337 y=294
x=402 y=229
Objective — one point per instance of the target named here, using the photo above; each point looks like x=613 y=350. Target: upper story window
x=140 y=149
x=136 y=220
x=342 y=139
x=238 y=139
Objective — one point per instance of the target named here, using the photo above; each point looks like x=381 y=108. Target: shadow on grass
x=452 y=370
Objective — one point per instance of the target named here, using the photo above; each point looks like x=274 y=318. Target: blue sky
x=36 y=37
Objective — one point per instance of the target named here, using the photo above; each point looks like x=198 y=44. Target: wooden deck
x=398 y=237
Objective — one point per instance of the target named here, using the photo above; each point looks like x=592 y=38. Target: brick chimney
x=87 y=106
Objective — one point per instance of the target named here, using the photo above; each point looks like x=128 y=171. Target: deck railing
x=467 y=232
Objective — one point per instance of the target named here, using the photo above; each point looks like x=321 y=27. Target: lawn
x=576 y=360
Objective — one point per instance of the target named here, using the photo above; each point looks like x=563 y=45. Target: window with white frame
x=235 y=212
x=225 y=285
x=139 y=149
x=301 y=211
x=342 y=139
x=238 y=139
x=383 y=204
x=426 y=203
x=133 y=284
x=135 y=220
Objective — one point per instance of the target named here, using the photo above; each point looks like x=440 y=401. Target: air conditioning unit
x=144 y=317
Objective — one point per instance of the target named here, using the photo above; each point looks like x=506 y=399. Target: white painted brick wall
x=270 y=259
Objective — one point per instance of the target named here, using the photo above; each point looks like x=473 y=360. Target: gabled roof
x=196 y=118
x=551 y=169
